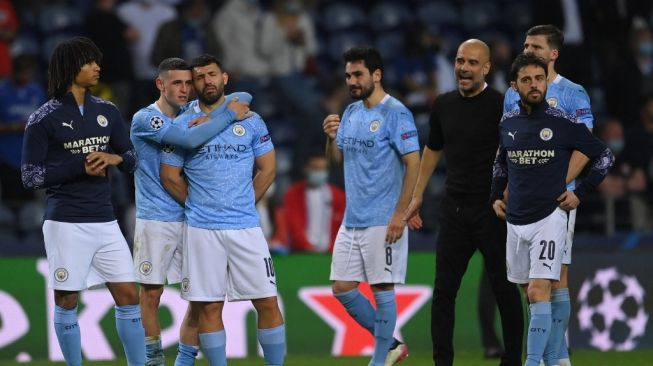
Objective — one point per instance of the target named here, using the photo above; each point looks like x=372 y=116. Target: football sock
x=273 y=342
x=384 y=325
x=214 y=347
x=67 y=330
x=186 y=355
x=539 y=328
x=359 y=308
x=131 y=333
x=561 y=309
x=154 y=351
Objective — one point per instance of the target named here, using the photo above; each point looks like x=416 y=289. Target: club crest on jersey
x=102 y=121
x=546 y=134
x=156 y=122
x=374 y=126
x=145 y=268
x=553 y=102
x=60 y=274
x=168 y=149
x=185 y=284
x=238 y=130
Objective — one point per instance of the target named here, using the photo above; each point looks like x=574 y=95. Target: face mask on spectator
x=317 y=178
x=616 y=145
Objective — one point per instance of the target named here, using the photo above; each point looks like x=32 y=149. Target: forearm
x=190 y=138
x=412 y=164
x=333 y=154
x=177 y=187
x=499 y=176
x=599 y=169
x=262 y=181
x=429 y=161
x=36 y=175
x=576 y=165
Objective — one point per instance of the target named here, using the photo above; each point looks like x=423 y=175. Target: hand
x=395 y=228
x=94 y=172
x=198 y=121
x=411 y=215
x=499 y=207
x=240 y=109
x=568 y=201
x=100 y=160
x=330 y=125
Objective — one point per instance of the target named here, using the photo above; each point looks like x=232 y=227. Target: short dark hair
x=369 y=55
x=204 y=60
x=173 y=63
x=67 y=60
x=526 y=59
x=554 y=36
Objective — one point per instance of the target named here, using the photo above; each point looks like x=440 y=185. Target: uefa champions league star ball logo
x=156 y=122
x=168 y=148
x=612 y=310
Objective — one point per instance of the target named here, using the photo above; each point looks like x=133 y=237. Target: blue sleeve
x=122 y=145
x=582 y=108
x=180 y=135
x=172 y=155
x=509 y=100
x=402 y=132
x=189 y=138
x=34 y=171
x=261 y=141
x=149 y=124
x=601 y=159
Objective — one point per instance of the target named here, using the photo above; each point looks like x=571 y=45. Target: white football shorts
x=232 y=263
x=157 y=251
x=362 y=255
x=86 y=255
x=534 y=251
x=566 y=255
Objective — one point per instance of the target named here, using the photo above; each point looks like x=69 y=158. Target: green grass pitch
x=579 y=358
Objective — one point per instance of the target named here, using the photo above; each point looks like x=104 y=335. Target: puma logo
x=547 y=266
x=68 y=124
x=512 y=134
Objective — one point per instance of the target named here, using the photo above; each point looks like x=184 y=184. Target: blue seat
x=55 y=18
x=390 y=45
x=478 y=15
x=343 y=41
x=387 y=16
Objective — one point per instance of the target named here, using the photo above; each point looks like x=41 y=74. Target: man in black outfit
x=464 y=128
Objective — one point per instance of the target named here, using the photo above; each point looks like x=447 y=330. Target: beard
x=210 y=99
x=526 y=99
x=364 y=92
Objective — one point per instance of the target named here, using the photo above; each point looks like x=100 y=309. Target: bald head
x=478 y=46
x=471 y=66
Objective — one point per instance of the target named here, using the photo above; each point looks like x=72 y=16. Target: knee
x=125 y=294
x=539 y=291
x=339 y=287
x=266 y=306
x=66 y=299
x=151 y=295
x=209 y=310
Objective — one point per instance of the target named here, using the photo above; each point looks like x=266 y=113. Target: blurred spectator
x=417 y=69
x=273 y=221
x=187 y=36
x=638 y=152
x=20 y=95
x=288 y=43
x=8 y=29
x=113 y=38
x=314 y=208
x=502 y=58
x=146 y=16
x=237 y=27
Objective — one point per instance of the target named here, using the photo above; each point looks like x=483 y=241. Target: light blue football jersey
x=372 y=141
x=219 y=173
x=153 y=202
x=563 y=94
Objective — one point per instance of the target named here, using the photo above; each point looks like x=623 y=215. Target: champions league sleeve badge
x=156 y=122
